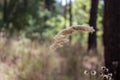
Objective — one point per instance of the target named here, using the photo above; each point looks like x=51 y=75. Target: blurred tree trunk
x=70 y=16
x=72 y=69
x=92 y=42
x=4 y=13
x=65 y=11
x=112 y=36
x=70 y=12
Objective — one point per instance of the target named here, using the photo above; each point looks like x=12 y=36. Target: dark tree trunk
x=4 y=13
x=92 y=42
x=65 y=12
x=70 y=15
x=70 y=12
x=73 y=57
x=112 y=36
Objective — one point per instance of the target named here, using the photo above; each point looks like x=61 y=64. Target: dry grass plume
x=63 y=36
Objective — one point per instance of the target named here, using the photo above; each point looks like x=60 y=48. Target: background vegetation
x=27 y=28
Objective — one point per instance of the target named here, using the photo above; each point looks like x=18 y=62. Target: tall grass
x=24 y=59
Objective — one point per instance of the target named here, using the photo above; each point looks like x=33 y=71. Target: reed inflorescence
x=63 y=36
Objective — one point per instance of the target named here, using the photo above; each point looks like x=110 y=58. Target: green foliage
x=55 y=25
x=80 y=11
x=100 y=21
x=47 y=18
x=17 y=14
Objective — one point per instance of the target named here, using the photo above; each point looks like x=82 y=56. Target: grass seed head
x=62 y=36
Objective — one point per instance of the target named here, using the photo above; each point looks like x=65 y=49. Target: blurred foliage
x=44 y=18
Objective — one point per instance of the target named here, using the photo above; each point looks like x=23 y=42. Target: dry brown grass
x=23 y=59
x=63 y=36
